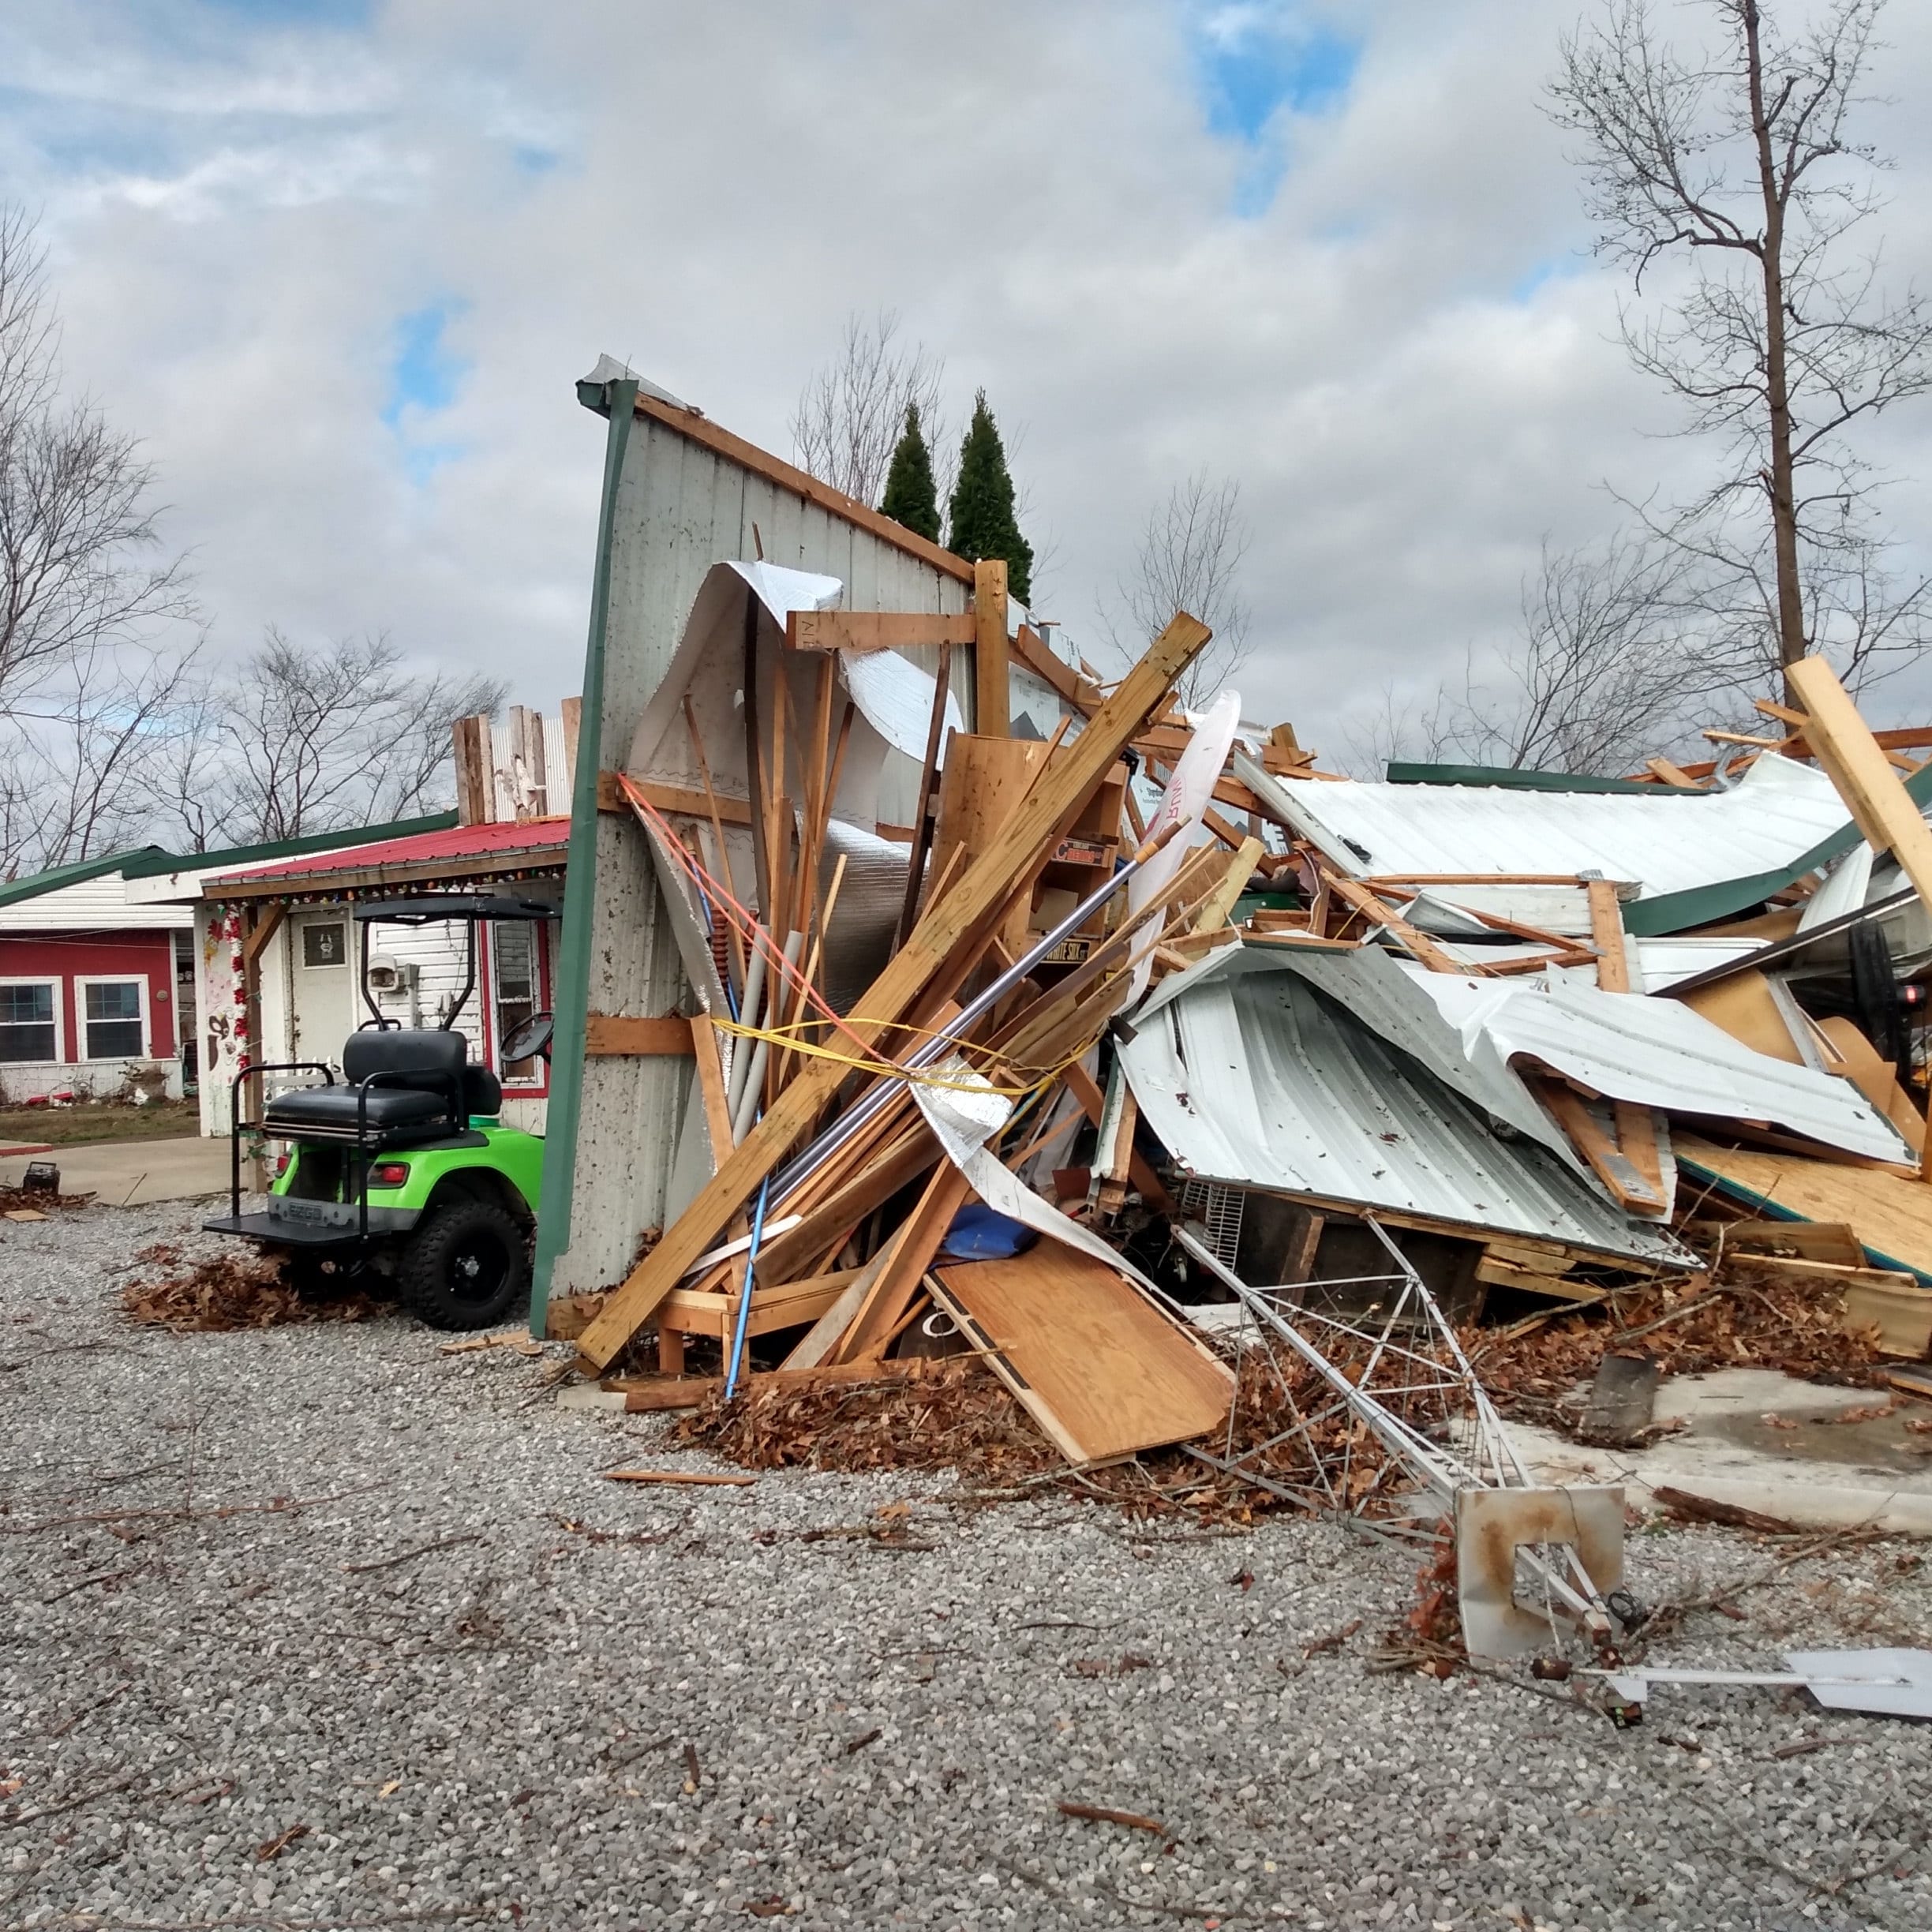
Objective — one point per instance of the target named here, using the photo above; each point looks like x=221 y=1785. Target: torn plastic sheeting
x=962 y=1122
x=896 y=696
x=1258 y=1080
x=1656 y=1052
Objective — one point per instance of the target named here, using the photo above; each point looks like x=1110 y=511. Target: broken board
x=1890 y=1213
x=1094 y=1362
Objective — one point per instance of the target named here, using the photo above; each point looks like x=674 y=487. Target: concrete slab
x=1767 y=1442
x=129 y=1174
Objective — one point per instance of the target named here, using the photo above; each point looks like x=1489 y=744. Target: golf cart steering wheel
x=530 y=1040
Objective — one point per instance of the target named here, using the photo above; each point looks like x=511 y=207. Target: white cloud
x=240 y=219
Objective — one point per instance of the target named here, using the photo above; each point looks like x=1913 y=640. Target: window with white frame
x=29 y=1020
x=112 y=1018
x=516 y=970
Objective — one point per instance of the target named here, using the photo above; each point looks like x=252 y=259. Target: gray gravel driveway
x=318 y=1627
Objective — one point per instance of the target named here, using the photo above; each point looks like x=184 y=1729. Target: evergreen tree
x=911 y=497
x=984 y=523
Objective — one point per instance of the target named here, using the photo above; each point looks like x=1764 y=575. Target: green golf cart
x=400 y=1175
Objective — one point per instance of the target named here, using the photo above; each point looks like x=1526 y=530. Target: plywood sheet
x=1101 y=1368
x=1890 y=1213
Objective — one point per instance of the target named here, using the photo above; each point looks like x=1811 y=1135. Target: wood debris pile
x=973 y=1081
x=231 y=1291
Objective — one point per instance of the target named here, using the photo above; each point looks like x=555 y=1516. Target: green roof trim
x=77 y=873
x=151 y=861
x=1704 y=905
x=1509 y=779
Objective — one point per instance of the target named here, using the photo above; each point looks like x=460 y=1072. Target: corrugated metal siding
x=1675 y=841
x=92 y=905
x=680 y=508
x=1261 y=1081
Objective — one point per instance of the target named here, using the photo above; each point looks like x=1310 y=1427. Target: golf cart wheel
x=467 y=1265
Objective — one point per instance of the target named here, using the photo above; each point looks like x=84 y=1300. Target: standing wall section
x=679 y=496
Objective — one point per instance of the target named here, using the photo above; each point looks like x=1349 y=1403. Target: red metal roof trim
x=460 y=842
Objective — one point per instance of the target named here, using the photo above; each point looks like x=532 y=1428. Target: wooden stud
x=910 y=1253
x=706 y=1043
x=992 y=700
x=932 y=949
x=875 y=631
x=1419 y=945
x=1856 y=763
x=617 y=1036
x=1218 y=906
x=1607 y=935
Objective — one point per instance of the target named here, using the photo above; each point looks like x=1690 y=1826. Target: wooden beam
x=958 y=913
x=1607 y=935
x=992 y=698
x=614 y=1035
x=610 y=798
x=1220 y=904
x=1674 y=776
x=700 y=429
x=1630 y=1186
x=875 y=631
x=912 y=1250
x=1031 y=649
x=475 y=787
x=267 y=923
x=1419 y=945
x=1856 y=763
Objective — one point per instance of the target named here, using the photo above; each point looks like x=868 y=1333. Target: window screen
x=325 y=946
x=111 y=1015
x=26 y=1030
x=513 y=947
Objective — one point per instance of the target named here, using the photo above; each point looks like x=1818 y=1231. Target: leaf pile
x=231 y=1291
x=956 y=1415
x=1749 y=1319
x=13 y=1199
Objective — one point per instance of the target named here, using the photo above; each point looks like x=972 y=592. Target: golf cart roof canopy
x=425 y=910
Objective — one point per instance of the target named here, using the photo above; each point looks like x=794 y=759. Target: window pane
x=27 y=1023
x=119 y=999
x=26 y=1005
x=21 y=1044
x=513 y=947
x=113 y=1039
x=325 y=946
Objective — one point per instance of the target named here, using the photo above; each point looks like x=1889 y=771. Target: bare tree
x=89 y=606
x=1188 y=558
x=1737 y=163
x=78 y=568
x=851 y=412
x=305 y=740
x=1605 y=668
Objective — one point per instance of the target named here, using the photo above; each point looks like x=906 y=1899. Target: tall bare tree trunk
x=1781 y=484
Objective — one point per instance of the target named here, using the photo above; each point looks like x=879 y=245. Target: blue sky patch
x=1250 y=61
x=297 y=13
x=425 y=370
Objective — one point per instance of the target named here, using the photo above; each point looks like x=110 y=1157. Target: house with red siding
x=92 y=989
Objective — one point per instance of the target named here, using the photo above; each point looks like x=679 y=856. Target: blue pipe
x=744 y=1300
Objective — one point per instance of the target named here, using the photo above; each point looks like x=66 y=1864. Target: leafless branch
x=850 y=413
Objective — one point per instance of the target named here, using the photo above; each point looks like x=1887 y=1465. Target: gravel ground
x=460 y=1680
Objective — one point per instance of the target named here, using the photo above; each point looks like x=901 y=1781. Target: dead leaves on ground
x=231 y=1291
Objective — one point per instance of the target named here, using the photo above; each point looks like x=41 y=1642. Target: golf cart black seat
x=423 y=1089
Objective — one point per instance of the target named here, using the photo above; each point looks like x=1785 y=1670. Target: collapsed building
x=922 y=994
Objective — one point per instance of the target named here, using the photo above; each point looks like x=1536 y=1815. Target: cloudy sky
x=340 y=261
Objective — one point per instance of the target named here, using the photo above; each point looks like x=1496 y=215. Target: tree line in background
x=868 y=423
x=116 y=727
x=1733 y=167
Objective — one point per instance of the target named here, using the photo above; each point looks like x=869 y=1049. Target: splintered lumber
x=964 y=912
x=1843 y=743
x=1629 y=1166
x=1219 y=902
x=1419 y=945
x=1103 y=1370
